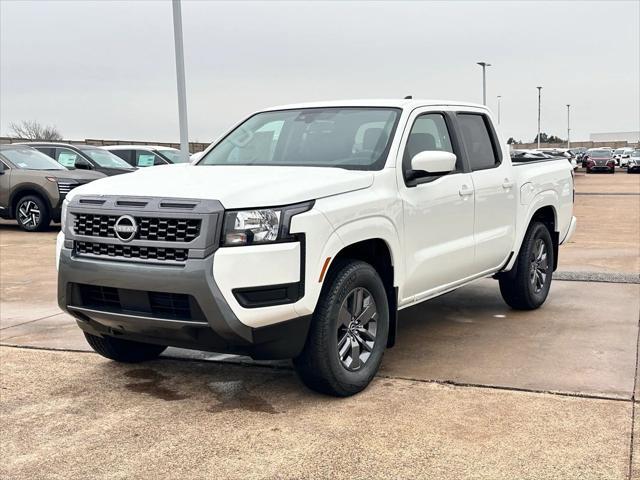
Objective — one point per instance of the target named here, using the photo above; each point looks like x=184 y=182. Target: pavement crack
x=31 y=321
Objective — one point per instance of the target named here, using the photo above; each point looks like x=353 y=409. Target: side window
x=478 y=141
x=429 y=132
x=126 y=155
x=145 y=158
x=50 y=152
x=66 y=157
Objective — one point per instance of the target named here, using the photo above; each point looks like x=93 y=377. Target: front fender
x=359 y=230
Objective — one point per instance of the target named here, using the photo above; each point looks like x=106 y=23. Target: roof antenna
x=408 y=97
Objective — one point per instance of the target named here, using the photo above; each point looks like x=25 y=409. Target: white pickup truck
x=302 y=232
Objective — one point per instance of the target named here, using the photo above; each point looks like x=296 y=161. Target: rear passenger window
x=477 y=141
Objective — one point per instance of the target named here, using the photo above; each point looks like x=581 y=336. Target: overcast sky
x=106 y=69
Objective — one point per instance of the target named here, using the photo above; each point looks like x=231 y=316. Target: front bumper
x=215 y=328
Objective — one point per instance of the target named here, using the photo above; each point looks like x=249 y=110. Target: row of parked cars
x=602 y=159
x=36 y=176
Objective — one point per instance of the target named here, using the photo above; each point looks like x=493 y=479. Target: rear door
x=494 y=187
x=438 y=211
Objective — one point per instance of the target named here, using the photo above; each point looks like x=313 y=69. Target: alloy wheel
x=29 y=214
x=539 y=266
x=357 y=328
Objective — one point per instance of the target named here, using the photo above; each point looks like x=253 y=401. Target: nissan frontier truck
x=303 y=231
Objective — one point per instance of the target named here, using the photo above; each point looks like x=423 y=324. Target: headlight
x=259 y=226
x=63 y=214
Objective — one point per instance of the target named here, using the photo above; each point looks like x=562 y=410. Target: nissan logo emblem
x=125 y=228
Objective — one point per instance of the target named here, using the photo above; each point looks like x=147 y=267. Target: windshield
x=635 y=153
x=353 y=138
x=105 y=159
x=30 y=159
x=600 y=153
x=619 y=151
x=172 y=155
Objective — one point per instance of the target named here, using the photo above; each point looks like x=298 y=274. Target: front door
x=438 y=211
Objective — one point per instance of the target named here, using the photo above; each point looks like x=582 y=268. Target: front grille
x=95 y=295
x=131 y=251
x=149 y=228
x=66 y=187
x=169 y=304
x=164 y=305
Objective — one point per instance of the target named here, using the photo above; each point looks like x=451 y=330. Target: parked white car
x=303 y=231
x=621 y=156
x=146 y=155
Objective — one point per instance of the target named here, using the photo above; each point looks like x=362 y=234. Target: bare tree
x=33 y=130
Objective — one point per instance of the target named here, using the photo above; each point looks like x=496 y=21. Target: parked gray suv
x=33 y=186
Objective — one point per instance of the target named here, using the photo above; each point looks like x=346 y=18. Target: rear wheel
x=32 y=214
x=126 y=351
x=348 y=333
x=527 y=286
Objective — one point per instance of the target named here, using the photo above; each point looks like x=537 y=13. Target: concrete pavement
x=80 y=416
x=464 y=394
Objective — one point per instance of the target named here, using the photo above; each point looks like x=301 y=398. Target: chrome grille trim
x=149 y=228
x=119 y=251
x=170 y=231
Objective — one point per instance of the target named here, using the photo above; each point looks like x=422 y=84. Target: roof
x=141 y=147
x=393 y=103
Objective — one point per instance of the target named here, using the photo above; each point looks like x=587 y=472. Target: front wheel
x=120 y=350
x=526 y=287
x=348 y=333
x=32 y=214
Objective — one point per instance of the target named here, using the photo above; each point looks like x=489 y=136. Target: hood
x=233 y=186
x=76 y=174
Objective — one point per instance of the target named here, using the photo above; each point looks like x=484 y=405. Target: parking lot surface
x=472 y=389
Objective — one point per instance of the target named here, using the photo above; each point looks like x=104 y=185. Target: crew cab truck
x=302 y=232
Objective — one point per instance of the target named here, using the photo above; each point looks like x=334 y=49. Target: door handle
x=507 y=184
x=464 y=191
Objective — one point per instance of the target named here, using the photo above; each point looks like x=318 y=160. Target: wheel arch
x=25 y=190
x=541 y=209
x=376 y=252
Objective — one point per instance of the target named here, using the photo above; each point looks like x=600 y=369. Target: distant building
x=631 y=137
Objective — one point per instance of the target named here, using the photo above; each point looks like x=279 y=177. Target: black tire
x=520 y=287
x=588 y=170
x=126 y=351
x=320 y=365
x=27 y=217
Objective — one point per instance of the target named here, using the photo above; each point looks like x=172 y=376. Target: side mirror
x=82 y=164
x=434 y=162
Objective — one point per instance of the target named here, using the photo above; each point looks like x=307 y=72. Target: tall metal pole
x=499 y=97
x=539 y=99
x=484 y=66
x=182 y=95
x=568 y=126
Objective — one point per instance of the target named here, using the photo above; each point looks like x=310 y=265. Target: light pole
x=568 y=126
x=539 y=95
x=182 y=95
x=484 y=66
x=499 y=97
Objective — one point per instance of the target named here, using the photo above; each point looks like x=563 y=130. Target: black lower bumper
x=137 y=302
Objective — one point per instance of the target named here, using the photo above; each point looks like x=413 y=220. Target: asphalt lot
x=471 y=390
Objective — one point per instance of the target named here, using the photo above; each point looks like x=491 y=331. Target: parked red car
x=600 y=161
